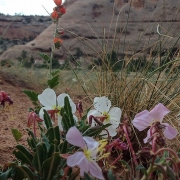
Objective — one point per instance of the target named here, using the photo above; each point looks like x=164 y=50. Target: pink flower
x=145 y=119
x=86 y=158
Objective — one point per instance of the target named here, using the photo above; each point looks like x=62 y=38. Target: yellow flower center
x=87 y=154
x=106 y=116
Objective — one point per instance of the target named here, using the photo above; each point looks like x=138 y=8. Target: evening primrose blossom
x=86 y=159
x=145 y=119
x=105 y=114
x=53 y=105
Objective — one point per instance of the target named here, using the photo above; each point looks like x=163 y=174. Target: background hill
x=91 y=27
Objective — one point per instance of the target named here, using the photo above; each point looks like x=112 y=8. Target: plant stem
x=52 y=51
x=130 y=145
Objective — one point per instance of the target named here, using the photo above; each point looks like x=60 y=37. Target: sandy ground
x=14 y=116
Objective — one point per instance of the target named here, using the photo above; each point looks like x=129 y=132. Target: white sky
x=26 y=7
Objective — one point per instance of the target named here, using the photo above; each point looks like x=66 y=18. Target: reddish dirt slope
x=14 y=116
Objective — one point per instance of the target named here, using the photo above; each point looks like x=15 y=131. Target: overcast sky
x=26 y=7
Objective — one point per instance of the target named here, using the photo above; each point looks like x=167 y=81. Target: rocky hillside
x=18 y=29
x=92 y=27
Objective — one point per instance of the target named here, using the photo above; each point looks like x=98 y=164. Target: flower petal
x=112 y=131
x=60 y=100
x=78 y=159
x=92 y=146
x=94 y=113
x=148 y=137
x=75 y=138
x=95 y=170
x=60 y=122
x=75 y=159
x=142 y=120
x=102 y=104
x=115 y=115
x=169 y=131
x=48 y=98
x=158 y=112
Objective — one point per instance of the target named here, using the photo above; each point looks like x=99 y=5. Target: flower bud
x=55 y=15
x=58 y=2
x=62 y=10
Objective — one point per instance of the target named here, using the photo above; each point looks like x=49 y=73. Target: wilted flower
x=32 y=119
x=79 y=108
x=85 y=159
x=105 y=114
x=145 y=119
x=5 y=98
x=53 y=105
x=116 y=144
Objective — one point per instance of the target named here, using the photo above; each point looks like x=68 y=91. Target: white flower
x=105 y=114
x=53 y=105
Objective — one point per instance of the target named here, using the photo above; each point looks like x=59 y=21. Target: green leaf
x=126 y=164
x=32 y=141
x=142 y=168
x=33 y=96
x=110 y=175
x=52 y=150
x=55 y=73
x=87 y=177
x=95 y=131
x=67 y=116
x=47 y=119
x=23 y=169
x=53 y=82
x=40 y=156
x=45 y=57
x=23 y=154
x=63 y=147
x=16 y=134
x=170 y=173
x=50 y=166
x=5 y=175
x=53 y=135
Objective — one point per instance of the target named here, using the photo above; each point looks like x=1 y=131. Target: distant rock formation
x=93 y=26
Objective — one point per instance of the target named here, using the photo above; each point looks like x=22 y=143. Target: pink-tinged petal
x=95 y=170
x=115 y=116
x=84 y=166
x=48 y=98
x=75 y=138
x=78 y=159
x=75 y=159
x=142 y=120
x=169 y=131
x=94 y=113
x=60 y=100
x=148 y=137
x=158 y=112
x=90 y=142
x=102 y=104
